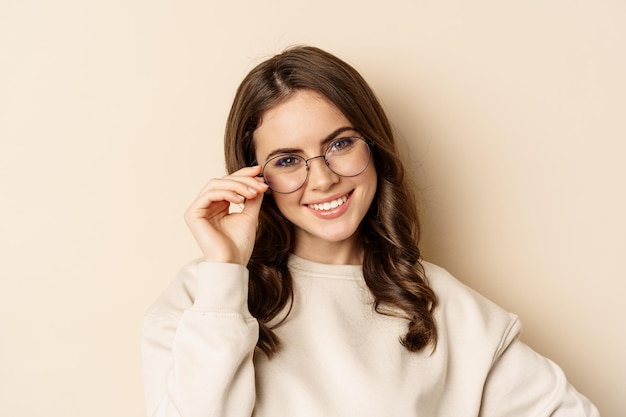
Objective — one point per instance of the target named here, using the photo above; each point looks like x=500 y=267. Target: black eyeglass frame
x=369 y=144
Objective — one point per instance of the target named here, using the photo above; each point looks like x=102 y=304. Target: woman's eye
x=341 y=144
x=287 y=161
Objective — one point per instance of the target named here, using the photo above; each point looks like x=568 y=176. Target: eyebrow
x=327 y=139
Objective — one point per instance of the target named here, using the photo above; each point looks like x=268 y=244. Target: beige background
x=111 y=118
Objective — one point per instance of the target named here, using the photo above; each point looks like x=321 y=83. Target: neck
x=332 y=253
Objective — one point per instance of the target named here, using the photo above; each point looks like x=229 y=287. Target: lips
x=329 y=205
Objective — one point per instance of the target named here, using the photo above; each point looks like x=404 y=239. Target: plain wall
x=111 y=120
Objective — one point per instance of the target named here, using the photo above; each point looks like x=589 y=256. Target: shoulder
x=179 y=295
x=465 y=316
x=456 y=297
x=203 y=285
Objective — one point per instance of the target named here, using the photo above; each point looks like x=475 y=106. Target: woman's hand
x=223 y=236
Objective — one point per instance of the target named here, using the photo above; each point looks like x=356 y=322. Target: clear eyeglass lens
x=346 y=157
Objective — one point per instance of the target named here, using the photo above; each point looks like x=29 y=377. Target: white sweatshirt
x=338 y=356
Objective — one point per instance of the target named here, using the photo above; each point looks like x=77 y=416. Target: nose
x=321 y=177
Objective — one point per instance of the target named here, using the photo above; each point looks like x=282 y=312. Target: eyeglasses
x=346 y=157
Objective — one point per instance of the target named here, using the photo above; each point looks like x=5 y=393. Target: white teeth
x=330 y=204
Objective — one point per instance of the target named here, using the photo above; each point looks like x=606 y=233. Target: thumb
x=252 y=206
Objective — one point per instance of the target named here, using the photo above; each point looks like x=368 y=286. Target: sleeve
x=523 y=383
x=197 y=348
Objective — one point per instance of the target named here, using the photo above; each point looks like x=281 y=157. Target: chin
x=333 y=234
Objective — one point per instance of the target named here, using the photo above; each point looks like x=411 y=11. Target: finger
x=252 y=171
x=227 y=186
x=252 y=206
x=236 y=183
x=249 y=175
x=211 y=197
x=218 y=208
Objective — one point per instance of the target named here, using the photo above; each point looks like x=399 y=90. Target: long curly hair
x=389 y=233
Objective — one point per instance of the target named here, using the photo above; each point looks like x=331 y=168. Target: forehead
x=302 y=121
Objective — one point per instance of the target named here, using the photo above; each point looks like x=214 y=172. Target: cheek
x=285 y=201
x=371 y=188
x=370 y=179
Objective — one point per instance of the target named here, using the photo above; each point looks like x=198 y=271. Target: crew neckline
x=328 y=270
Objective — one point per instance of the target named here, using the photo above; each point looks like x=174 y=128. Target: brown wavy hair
x=390 y=230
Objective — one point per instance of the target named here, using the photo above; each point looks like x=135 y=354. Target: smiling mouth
x=329 y=205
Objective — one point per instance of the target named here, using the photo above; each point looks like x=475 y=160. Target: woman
x=313 y=299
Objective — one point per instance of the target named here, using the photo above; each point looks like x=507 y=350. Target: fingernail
x=252 y=190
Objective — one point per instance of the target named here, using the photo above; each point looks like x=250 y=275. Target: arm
x=197 y=360
x=524 y=383
x=199 y=337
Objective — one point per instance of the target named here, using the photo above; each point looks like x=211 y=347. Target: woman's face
x=305 y=125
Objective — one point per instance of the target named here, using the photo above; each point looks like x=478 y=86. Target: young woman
x=313 y=299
